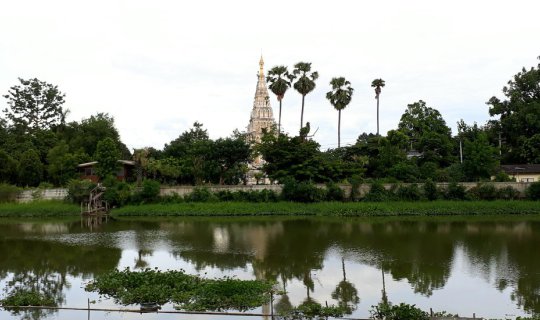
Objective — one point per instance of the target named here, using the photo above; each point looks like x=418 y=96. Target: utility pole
x=460 y=152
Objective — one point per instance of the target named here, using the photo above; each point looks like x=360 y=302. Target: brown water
x=461 y=265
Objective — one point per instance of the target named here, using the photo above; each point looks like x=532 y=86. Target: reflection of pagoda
x=261 y=119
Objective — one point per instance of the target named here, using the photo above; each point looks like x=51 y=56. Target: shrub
x=377 y=193
x=483 y=192
x=8 y=193
x=118 y=194
x=200 y=194
x=225 y=195
x=45 y=185
x=502 y=176
x=533 y=191
x=79 y=190
x=508 y=193
x=455 y=192
x=430 y=190
x=149 y=191
x=334 y=192
x=408 y=193
x=402 y=311
x=172 y=198
x=302 y=192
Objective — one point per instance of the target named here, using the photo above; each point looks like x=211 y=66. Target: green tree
x=340 y=97
x=34 y=105
x=193 y=149
x=519 y=117
x=62 y=164
x=480 y=160
x=231 y=154
x=427 y=132
x=8 y=169
x=377 y=84
x=107 y=156
x=86 y=134
x=305 y=83
x=30 y=169
x=279 y=81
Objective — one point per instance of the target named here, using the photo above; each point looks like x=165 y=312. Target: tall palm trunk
x=377 y=114
x=339 y=129
x=279 y=123
x=302 y=114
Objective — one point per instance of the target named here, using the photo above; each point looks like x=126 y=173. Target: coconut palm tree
x=340 y=97
x=377 y=84
x=305 y=83
x=279 y=80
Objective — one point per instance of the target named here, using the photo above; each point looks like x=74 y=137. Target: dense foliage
x=38 y=145
x=188 y=292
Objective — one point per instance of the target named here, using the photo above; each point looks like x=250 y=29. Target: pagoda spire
x=262 y=116
x=261 y=67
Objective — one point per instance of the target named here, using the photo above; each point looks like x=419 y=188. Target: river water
x=489 y=266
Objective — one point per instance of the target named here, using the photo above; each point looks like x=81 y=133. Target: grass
x=38 y=209
x=352 y=209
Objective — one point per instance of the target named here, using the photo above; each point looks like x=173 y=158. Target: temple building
x=261 y=119
x=262 y=116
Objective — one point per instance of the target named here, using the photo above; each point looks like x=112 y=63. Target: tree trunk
x=279 y=123
x=377 y=114
x=302 y=114
x=339 y=129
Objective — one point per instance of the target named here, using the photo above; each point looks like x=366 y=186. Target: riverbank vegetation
x=39 y=146
x=353 y=209
x=39 y=209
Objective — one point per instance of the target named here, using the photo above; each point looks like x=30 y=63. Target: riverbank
x=282 y=208
x=352 y=209
x=49 y=208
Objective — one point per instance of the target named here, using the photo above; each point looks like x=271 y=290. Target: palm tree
x=377 y=84
x=278 y=85
x=340 y=97
x=305 y=83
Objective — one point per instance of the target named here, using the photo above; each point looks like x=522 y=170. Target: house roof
x=520 y=168
x=93 y=163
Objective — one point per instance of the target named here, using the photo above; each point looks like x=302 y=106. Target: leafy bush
x=377 y=193
x=79 y=190
x=149 y=191
x=172 y=198
x=408 y=192
x=430 y=190
x=45 y=185
x=190 y=292
x=8 y=193
x=508 y=193
x=533 y=191
x=200 y=194
x=302 y=192
x=483 y=192
x=502 y=176
x=334 y=192
x=455 y=191
x=118 y=194
x=402 y=311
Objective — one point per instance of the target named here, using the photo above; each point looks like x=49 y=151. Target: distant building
x=88 y=170
x=522 y=172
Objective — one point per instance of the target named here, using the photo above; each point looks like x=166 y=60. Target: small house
x=522 y=172
x=125 y=170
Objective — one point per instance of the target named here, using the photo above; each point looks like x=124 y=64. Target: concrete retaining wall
x=60 y=193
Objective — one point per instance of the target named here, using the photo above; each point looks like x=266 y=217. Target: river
x=489 y=266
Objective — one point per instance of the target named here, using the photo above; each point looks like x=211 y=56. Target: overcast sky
x=158 y=66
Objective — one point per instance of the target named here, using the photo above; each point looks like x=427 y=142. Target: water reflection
x=293 y=252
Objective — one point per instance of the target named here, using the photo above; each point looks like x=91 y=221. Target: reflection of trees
x=346 y=293
x=507 y=251
x=42 y=266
